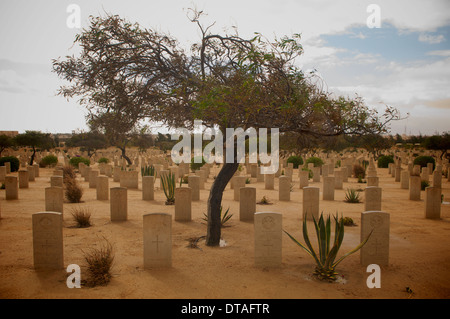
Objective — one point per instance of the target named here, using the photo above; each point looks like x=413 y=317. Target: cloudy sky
x=404 y=63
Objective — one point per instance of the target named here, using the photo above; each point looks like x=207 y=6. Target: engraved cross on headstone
x=157 y=241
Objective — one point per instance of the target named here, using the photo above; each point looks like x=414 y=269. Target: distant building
x=9 y=133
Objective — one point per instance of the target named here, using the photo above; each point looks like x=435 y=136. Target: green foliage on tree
x=35 y=140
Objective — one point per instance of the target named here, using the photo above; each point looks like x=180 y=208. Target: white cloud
x=444 y=53
x=431 y=39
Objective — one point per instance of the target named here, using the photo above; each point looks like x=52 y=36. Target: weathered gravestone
x=54 y=199
x=404 y=179
x=268 y=239
x=129 y=179
x=433 y=202
x=23 y=178
x=102 y=187
x=437 y=179
x=247 y=204
x=194 y=184
x=372 y=200
x=328 y=187
x=148 y=187
x=56 y=181
x=304 y=178
x=269 y=181
x=338 y=179
x=239 y=181
x=118 y=203
x=316 y=174
x=376 y=250
x=157 y=240
x=31 y=173
x=372 y=180
x=284 y=188
x=414 y=187
x=311 y=196
x=47 y=241
x=93 y=175
x=11 y=187
x=183 y=204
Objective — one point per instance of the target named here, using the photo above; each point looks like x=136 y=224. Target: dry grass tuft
x=100 y=261
x=82 y=217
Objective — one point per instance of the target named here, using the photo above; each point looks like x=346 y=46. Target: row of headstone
x=157 y=244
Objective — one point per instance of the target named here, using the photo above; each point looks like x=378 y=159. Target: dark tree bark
x=215 y=201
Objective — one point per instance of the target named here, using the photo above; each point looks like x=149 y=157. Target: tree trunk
x=32 y=156
x=215 y=201
x=125 y=156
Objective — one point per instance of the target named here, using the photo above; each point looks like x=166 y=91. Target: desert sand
x=419 y=249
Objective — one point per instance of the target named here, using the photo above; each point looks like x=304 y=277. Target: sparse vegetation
x=148 y=171
x=296 y=160
x=223 y=218
x=315 y=160
x=168 y=185
x=14 y=162
x=75 y=161
x=359 y=171
x=82 y=217
x=100 y=261
x=49 y=160
x=325 y=258
x=103 y=160
x=384 y=160
x=424 y=160
x=348 y=221
x=68 y=172
x=264 y=201
x=352 y=196
x=73 y=191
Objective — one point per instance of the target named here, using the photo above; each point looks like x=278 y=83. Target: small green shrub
x=296 y=160
x=74 y=161
x=424 y=160
x=49 y=160
x=196 y=166
x=384 y=160
x=103 y=160
x=348 y=221
x=264 y=201
x=316 y=160
x=14 y=162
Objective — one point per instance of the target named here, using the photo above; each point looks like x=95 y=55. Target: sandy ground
x=419 y=250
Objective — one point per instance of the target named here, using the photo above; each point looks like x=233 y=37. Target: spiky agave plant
x=148 y=171
x=326 y=257
x=168 y=184
x=223 y=218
